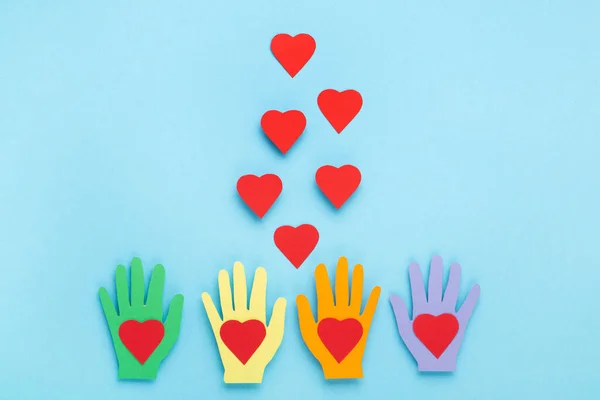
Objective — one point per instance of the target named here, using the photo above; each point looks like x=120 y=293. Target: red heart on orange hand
x=338 y=184
x=259 y=192
x=243 y=338
x=436 y=333
x=141 y=338
x=296 y=244
x=339 y=107
x=340 y=337
x=293 y=52
x=283 y=128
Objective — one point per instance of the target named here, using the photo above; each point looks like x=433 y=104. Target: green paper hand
x=141 y=346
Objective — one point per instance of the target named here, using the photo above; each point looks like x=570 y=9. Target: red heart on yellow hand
x=243 y=338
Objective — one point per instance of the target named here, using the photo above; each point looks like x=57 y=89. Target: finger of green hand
x=173 y=321
x=122 y=289
x=137 y=283
x=172 y=327
x=156 y=288
x=107 y=306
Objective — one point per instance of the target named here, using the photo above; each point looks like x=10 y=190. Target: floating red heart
x=283 y=128
x=141 y=338
x=296 y=244
x=339 y=107
x=340 y=337
x=338 y=184
x=243 y=338
x=259 y=192
x=293 y=52
x=436 y=333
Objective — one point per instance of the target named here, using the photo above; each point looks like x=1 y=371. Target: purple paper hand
x=440 y=326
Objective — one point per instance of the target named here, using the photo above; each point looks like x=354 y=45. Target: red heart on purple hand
x=436 y=332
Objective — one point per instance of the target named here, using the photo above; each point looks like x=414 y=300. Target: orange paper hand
x=339 y=337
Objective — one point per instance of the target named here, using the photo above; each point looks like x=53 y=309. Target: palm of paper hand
x=434 y=335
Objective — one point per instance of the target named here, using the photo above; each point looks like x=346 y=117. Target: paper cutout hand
x=339 y=337
x=435 y=334
x=246 y=344
x=140 y=338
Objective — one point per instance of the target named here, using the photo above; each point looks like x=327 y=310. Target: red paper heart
x=436 y=333
x=339 y=107
x=243 y=338
x=259 y=192
x=283 y=128
x=338 y=184
x=141 y=338
x=293 y=52
x=296 y=244
x=340 y=337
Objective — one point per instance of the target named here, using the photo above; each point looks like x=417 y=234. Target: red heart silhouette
x=436 y=333
x=340 y=337
x=338 y=184
x=339 y=107
x=296 y=244
x=293 y=52
x=141 y=338
x=283 y=128
x=243 y=338
x=259 y=192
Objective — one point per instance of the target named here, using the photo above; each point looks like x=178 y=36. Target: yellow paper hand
x=339 y=336
x=246 y=344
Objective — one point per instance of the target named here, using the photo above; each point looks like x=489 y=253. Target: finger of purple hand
x=452 y=288
x=405 y=325
x=466 y=310
x=400 y=312
x=417 y=289
x=436 y=271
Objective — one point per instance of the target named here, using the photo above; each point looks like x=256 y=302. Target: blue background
x=124 y=126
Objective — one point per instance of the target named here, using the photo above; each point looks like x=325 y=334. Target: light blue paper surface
x=124 y=126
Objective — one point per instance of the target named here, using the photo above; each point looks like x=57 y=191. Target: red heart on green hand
x=141 y=338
